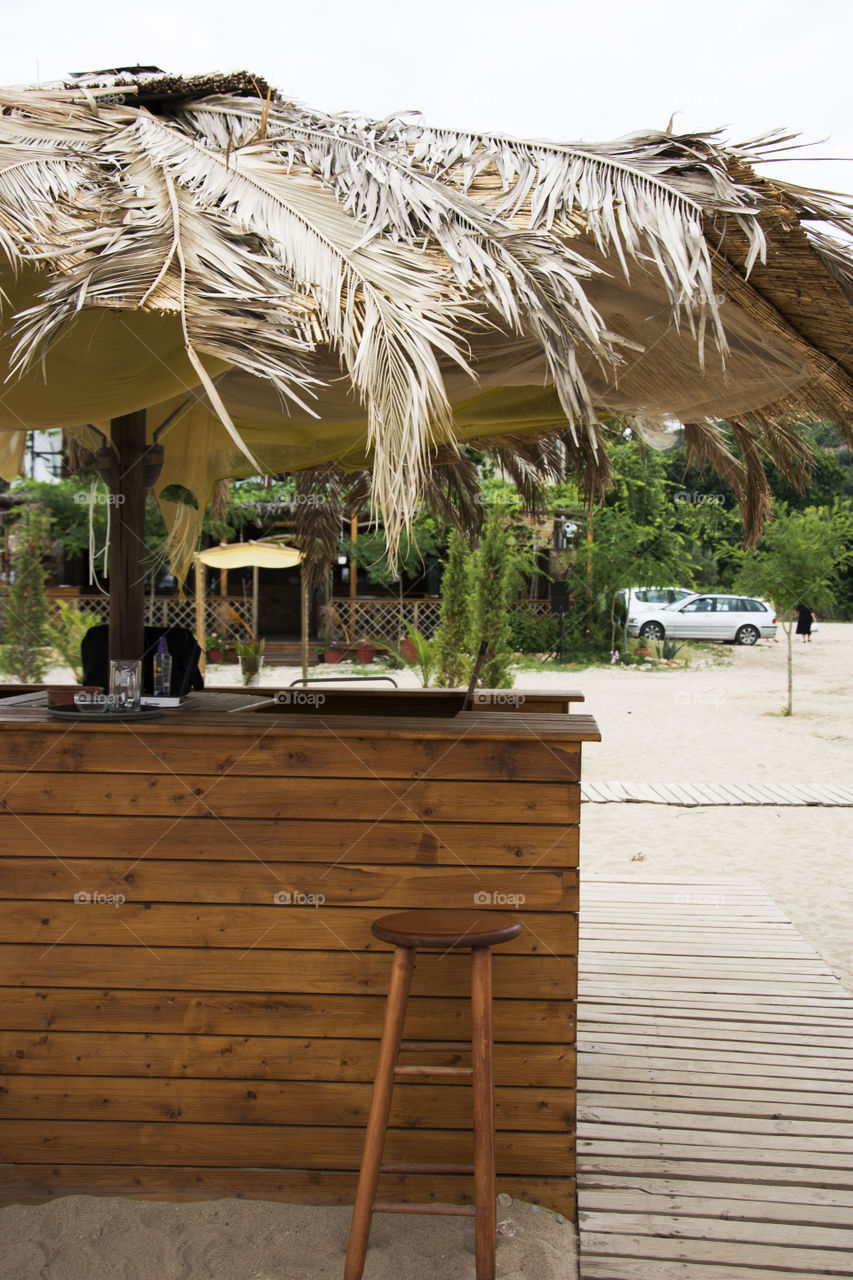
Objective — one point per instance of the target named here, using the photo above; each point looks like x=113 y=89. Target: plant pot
x=216 y=655
x=408 y=651
x=642 y=653
x=332 y=655
x=365 y=654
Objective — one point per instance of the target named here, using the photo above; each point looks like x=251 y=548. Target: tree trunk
x=127 y=536
x=304 y=623
x=789 y=630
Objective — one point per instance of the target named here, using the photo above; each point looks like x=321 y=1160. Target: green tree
x=453 y=637
x=491 y=617
x=27 y=633
x=415 y=548
x=633 y=542
x=798 y=563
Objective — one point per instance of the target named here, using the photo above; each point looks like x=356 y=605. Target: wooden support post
x=255 y=584
x=353 y=578
x=303 y=592
x=127 y=536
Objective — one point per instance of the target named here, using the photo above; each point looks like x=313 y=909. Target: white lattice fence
x=381 y=619
x=172 y=611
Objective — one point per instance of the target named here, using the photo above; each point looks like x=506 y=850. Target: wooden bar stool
x=477 y=931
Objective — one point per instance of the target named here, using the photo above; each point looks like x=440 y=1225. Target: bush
x=531 y=632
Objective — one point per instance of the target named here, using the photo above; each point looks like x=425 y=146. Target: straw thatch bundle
x=335 y=290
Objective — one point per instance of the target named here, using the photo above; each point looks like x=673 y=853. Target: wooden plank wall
x=189 y=1035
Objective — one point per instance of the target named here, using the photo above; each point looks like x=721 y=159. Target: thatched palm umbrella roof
x=288 y=289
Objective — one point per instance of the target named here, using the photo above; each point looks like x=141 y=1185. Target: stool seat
x=447 y=930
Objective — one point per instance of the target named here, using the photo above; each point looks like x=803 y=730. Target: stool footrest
x=434 y=1046
x=426 y=1168
x=451 y=1210
x=434 y=1071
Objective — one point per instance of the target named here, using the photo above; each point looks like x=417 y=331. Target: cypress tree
x=492 y=604
x=453 y=636
x=26 y=633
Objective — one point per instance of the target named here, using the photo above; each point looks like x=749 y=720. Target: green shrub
x=530 y=632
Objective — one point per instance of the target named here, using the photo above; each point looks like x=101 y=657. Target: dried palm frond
x=323 y=500
x=287 y=246
x=219 y=505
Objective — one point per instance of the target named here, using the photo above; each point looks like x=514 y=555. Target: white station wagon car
x=707 y=617
x=648 y=599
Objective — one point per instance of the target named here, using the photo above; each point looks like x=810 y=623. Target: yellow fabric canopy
x=239 y=555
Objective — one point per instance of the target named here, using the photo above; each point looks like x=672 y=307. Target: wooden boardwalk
x=715 y=1126
x=693 y=794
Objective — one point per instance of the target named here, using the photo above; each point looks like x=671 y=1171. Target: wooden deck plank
x=715 y=1109
x=630 y=1269
x=693 y=794
x=693 y=1227
x=825 y=1262
x=777 y=1194
x=699 y=1204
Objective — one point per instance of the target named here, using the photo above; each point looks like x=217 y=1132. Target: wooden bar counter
x=191 y=996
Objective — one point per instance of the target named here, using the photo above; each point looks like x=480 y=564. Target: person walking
x=805 y=618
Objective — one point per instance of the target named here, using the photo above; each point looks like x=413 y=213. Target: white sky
x=534 y=68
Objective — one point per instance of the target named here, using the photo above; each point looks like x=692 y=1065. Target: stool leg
x=380 y=1106
x=485 y=1222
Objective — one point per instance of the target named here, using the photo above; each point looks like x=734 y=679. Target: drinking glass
x=126 y=683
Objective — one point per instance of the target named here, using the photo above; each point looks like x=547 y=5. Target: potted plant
x=215 y=648
x=251 y=656
x=333 y=653
x=366 y=652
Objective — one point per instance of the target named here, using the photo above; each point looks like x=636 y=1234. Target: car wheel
x=652 y=631
x=747 y=635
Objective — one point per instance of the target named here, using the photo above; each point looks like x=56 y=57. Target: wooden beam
x=127 y=536
x=304 y=615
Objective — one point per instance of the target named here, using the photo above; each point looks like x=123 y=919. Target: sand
x=105 y=1238
x=717 y=720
